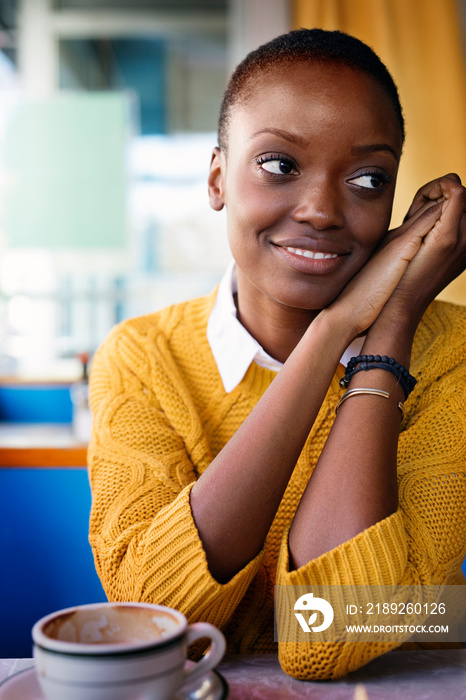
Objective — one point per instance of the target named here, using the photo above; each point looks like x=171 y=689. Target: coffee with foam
x=119 y=651
x=112 y=625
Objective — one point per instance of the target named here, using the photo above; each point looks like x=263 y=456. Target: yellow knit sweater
x=161 y=415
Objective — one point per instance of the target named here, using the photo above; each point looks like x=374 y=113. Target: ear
x=216 y=180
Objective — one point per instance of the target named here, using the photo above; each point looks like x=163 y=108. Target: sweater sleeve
x=141 y=468
x=422 y=543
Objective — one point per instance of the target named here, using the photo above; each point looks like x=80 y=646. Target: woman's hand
x=442 y=253
x=363 y=299
x=413 y=264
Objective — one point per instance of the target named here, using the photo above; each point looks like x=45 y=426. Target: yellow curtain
x=420 y=41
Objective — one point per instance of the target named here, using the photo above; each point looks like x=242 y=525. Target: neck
x=278 y=328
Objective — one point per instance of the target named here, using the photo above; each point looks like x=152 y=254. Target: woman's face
x=308 y=182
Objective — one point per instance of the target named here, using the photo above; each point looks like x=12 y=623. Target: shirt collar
x=233 y=347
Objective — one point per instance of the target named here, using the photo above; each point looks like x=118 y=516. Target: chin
x=307 y=301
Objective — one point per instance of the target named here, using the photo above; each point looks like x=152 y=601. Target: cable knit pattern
x=161 y=415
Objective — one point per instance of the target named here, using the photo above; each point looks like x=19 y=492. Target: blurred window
x=105 y=212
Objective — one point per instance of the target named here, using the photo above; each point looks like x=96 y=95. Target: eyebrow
x=373 y=148
x=287 y=135
x=301 y=141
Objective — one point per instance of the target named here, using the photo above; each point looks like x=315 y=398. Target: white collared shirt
x=233 y=347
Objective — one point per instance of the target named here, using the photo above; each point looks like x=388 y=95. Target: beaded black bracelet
x=389 y=364
x=388 y=368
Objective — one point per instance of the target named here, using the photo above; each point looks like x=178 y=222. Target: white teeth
x=311 y=254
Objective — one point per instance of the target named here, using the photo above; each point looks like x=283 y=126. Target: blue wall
x=46 y=559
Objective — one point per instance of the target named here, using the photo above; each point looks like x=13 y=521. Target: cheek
x=250 y=213
x=371 y=227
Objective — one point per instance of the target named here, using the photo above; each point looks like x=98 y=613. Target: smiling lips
x=309 y=260
x=313 y=254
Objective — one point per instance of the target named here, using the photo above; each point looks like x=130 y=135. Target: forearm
x=235 y=501
x=423 y=542
x=356 y=475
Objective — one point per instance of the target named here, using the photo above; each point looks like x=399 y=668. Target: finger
x=432 y=190
x=440 y=188
x=435 y=205
x=435 y=209
x=449 y=230
x=365 y=295
x=401 y=249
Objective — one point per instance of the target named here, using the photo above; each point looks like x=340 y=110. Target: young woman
x=218 y=465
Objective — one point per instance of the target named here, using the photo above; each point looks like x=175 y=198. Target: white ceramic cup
x=119 y=651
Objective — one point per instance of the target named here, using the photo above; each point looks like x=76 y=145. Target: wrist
x=392 y=339
x=397 y=345
x=338 y=326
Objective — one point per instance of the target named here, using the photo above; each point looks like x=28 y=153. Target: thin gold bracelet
x=373 y=392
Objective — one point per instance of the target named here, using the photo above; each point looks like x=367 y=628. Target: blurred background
x=108 y=114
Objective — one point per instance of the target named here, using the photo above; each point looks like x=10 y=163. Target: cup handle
x=214 y=654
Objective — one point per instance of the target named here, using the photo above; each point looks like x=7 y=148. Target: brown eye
x=278 y=167
x=370 y=181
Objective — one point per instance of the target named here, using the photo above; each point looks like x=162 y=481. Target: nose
x=319 y=204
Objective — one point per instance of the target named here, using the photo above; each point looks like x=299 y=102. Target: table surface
x=399 y=675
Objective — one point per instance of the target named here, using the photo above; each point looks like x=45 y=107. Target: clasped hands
x=413 y=263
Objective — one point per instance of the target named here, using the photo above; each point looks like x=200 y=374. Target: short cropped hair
x=316 y=46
